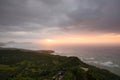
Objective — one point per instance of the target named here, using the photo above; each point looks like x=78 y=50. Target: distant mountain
x=2 y=44
x=21 y=64
x=23 y=45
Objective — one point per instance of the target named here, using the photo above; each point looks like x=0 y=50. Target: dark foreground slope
x=18 y=64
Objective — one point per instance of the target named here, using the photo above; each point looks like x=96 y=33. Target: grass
x=7 y=67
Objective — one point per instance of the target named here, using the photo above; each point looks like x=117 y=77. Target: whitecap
x=108 y=64
x=105 y=63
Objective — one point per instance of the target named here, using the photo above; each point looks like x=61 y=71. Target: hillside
x=20 y=64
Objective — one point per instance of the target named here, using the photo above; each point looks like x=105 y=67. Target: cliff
x=19 y=64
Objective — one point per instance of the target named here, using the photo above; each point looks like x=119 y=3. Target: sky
x=60 y=21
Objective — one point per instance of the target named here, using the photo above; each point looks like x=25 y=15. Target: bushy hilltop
x=20 y=64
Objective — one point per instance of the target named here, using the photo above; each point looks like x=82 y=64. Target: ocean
x=105 y=57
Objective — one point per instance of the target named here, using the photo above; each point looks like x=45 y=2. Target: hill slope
x=19 y=64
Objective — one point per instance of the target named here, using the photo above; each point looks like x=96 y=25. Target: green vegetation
x=19 y=64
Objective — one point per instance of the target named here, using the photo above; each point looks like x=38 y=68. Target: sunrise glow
x=90 y=39
x=49 y=40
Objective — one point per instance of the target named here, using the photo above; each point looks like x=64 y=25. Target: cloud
x=97 y=15
x=67 y=15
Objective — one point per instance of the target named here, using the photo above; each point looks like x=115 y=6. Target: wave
x=101 y=63
x=109 y=64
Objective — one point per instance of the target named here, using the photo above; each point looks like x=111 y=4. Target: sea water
x=106 y=57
